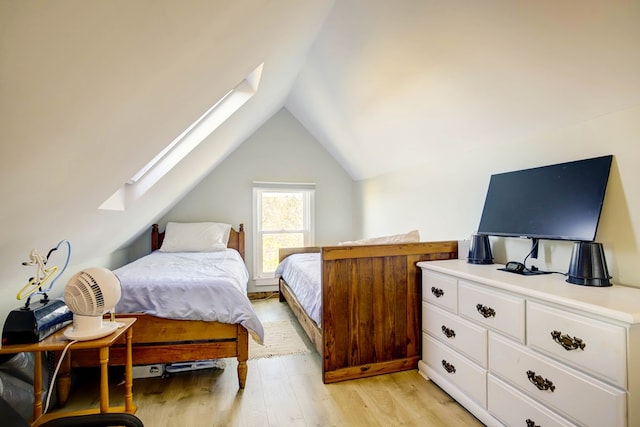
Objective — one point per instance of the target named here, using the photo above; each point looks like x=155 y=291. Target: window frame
x=184 y=144
x=260 y=277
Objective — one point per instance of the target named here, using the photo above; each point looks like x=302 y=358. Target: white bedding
x=302 y=274
x=209 y=286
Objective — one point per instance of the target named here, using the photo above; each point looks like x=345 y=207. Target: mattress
x=210 y=286
x=302 y=272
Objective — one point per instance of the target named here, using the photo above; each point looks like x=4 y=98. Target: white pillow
x=195 y=237
x=410 y=237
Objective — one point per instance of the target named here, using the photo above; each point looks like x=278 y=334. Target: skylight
x=189 y=139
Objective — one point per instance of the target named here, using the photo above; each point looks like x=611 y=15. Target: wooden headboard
x=236 y=239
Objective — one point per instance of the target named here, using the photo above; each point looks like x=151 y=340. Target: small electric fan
x=90 y=294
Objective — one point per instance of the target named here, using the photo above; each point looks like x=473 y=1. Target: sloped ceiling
x=395 y=84
x=91 y=90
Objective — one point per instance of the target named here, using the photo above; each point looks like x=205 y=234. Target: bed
x=161 y=333
x=369 y=307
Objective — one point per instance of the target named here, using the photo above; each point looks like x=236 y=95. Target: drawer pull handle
x=448 y=367
x=567 y=342
x=538 y=381
x=485 y=311
x=437 y=292
x=531 y=423
x=449 y=333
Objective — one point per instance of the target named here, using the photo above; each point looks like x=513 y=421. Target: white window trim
x=308 y=231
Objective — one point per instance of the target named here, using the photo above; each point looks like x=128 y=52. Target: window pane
x=282 y=211
x=272 y=242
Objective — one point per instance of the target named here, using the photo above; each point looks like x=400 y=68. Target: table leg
x=37 y=385
x=104 y=379
x=128 y=374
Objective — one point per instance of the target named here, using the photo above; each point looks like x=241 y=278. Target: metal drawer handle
x=485 y=311
x=538 y=381
x=437 y=292
x=567 y=342
x=448 y=367
x=449 y=333
x=531 y=423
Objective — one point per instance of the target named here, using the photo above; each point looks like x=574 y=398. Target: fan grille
x=84 y=295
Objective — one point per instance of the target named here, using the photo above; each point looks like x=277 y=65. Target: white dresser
x=531 y=350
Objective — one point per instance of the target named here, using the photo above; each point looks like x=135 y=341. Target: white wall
x=280 y=151
x=444 y=197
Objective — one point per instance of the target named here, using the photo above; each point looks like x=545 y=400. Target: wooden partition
x=371 y=306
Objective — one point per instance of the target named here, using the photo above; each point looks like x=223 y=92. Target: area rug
x=280 y=339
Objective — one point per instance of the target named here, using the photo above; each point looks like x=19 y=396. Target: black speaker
x=480 y=250
x=588 y=265
x=33 y=324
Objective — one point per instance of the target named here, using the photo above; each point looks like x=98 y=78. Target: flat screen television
x=554 y=202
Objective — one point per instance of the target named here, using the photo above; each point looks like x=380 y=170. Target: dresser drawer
x=464 y=336
x=498 y=311
x=514 y=408
x=466 y=375
x=577 y=396
x=596 y=347
x=440 y=289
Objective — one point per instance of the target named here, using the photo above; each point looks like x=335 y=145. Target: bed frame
x=371 y=307
x=159 y=340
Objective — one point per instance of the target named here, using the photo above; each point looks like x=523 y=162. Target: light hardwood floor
x=281 y=391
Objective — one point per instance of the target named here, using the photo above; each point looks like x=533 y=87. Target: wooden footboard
x=158 y=340
x=371 y=307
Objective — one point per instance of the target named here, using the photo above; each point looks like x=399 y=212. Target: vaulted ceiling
x=393 y=84
x=91 y=91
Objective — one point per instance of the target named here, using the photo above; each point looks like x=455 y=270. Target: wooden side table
x=56 y=343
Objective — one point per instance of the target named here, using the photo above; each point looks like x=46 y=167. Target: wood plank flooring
x=281 y=391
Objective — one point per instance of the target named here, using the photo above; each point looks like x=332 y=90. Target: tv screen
x=555 y=202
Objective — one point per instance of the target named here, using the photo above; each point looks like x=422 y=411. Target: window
x=184 y=143
x=283 y=218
